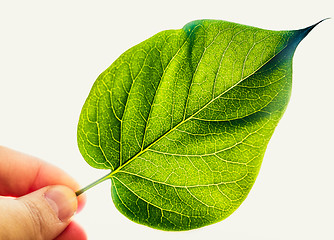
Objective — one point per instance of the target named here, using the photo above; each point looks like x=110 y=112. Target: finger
x=72 y=232
x=21 y=174
x=43 y=214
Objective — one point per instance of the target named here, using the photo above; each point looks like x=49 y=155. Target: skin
x=25 y=181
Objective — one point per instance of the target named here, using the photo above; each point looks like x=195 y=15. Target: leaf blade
x=188 y=114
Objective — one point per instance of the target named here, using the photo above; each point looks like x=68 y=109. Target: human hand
x=44 y=200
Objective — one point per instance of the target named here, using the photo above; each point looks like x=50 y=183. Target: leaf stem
x=92 y=184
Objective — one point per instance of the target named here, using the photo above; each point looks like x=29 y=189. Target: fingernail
x=63 y=201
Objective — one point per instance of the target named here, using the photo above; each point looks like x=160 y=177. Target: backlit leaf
x=183 y=119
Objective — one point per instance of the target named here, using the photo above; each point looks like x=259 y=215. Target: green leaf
x=183 y=119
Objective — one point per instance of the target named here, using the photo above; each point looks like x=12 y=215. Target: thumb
x=42 y=214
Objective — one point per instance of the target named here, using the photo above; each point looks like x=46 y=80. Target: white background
x=51 y=52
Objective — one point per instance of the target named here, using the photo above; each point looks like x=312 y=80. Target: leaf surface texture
x=183 y=119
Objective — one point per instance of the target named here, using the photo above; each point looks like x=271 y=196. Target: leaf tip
x=302 y=33
x=308 y=29
x=316 y=24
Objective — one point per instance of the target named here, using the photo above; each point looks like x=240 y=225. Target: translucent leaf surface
x=183 y=119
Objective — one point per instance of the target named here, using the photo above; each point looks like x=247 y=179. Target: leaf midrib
x=199 y=110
